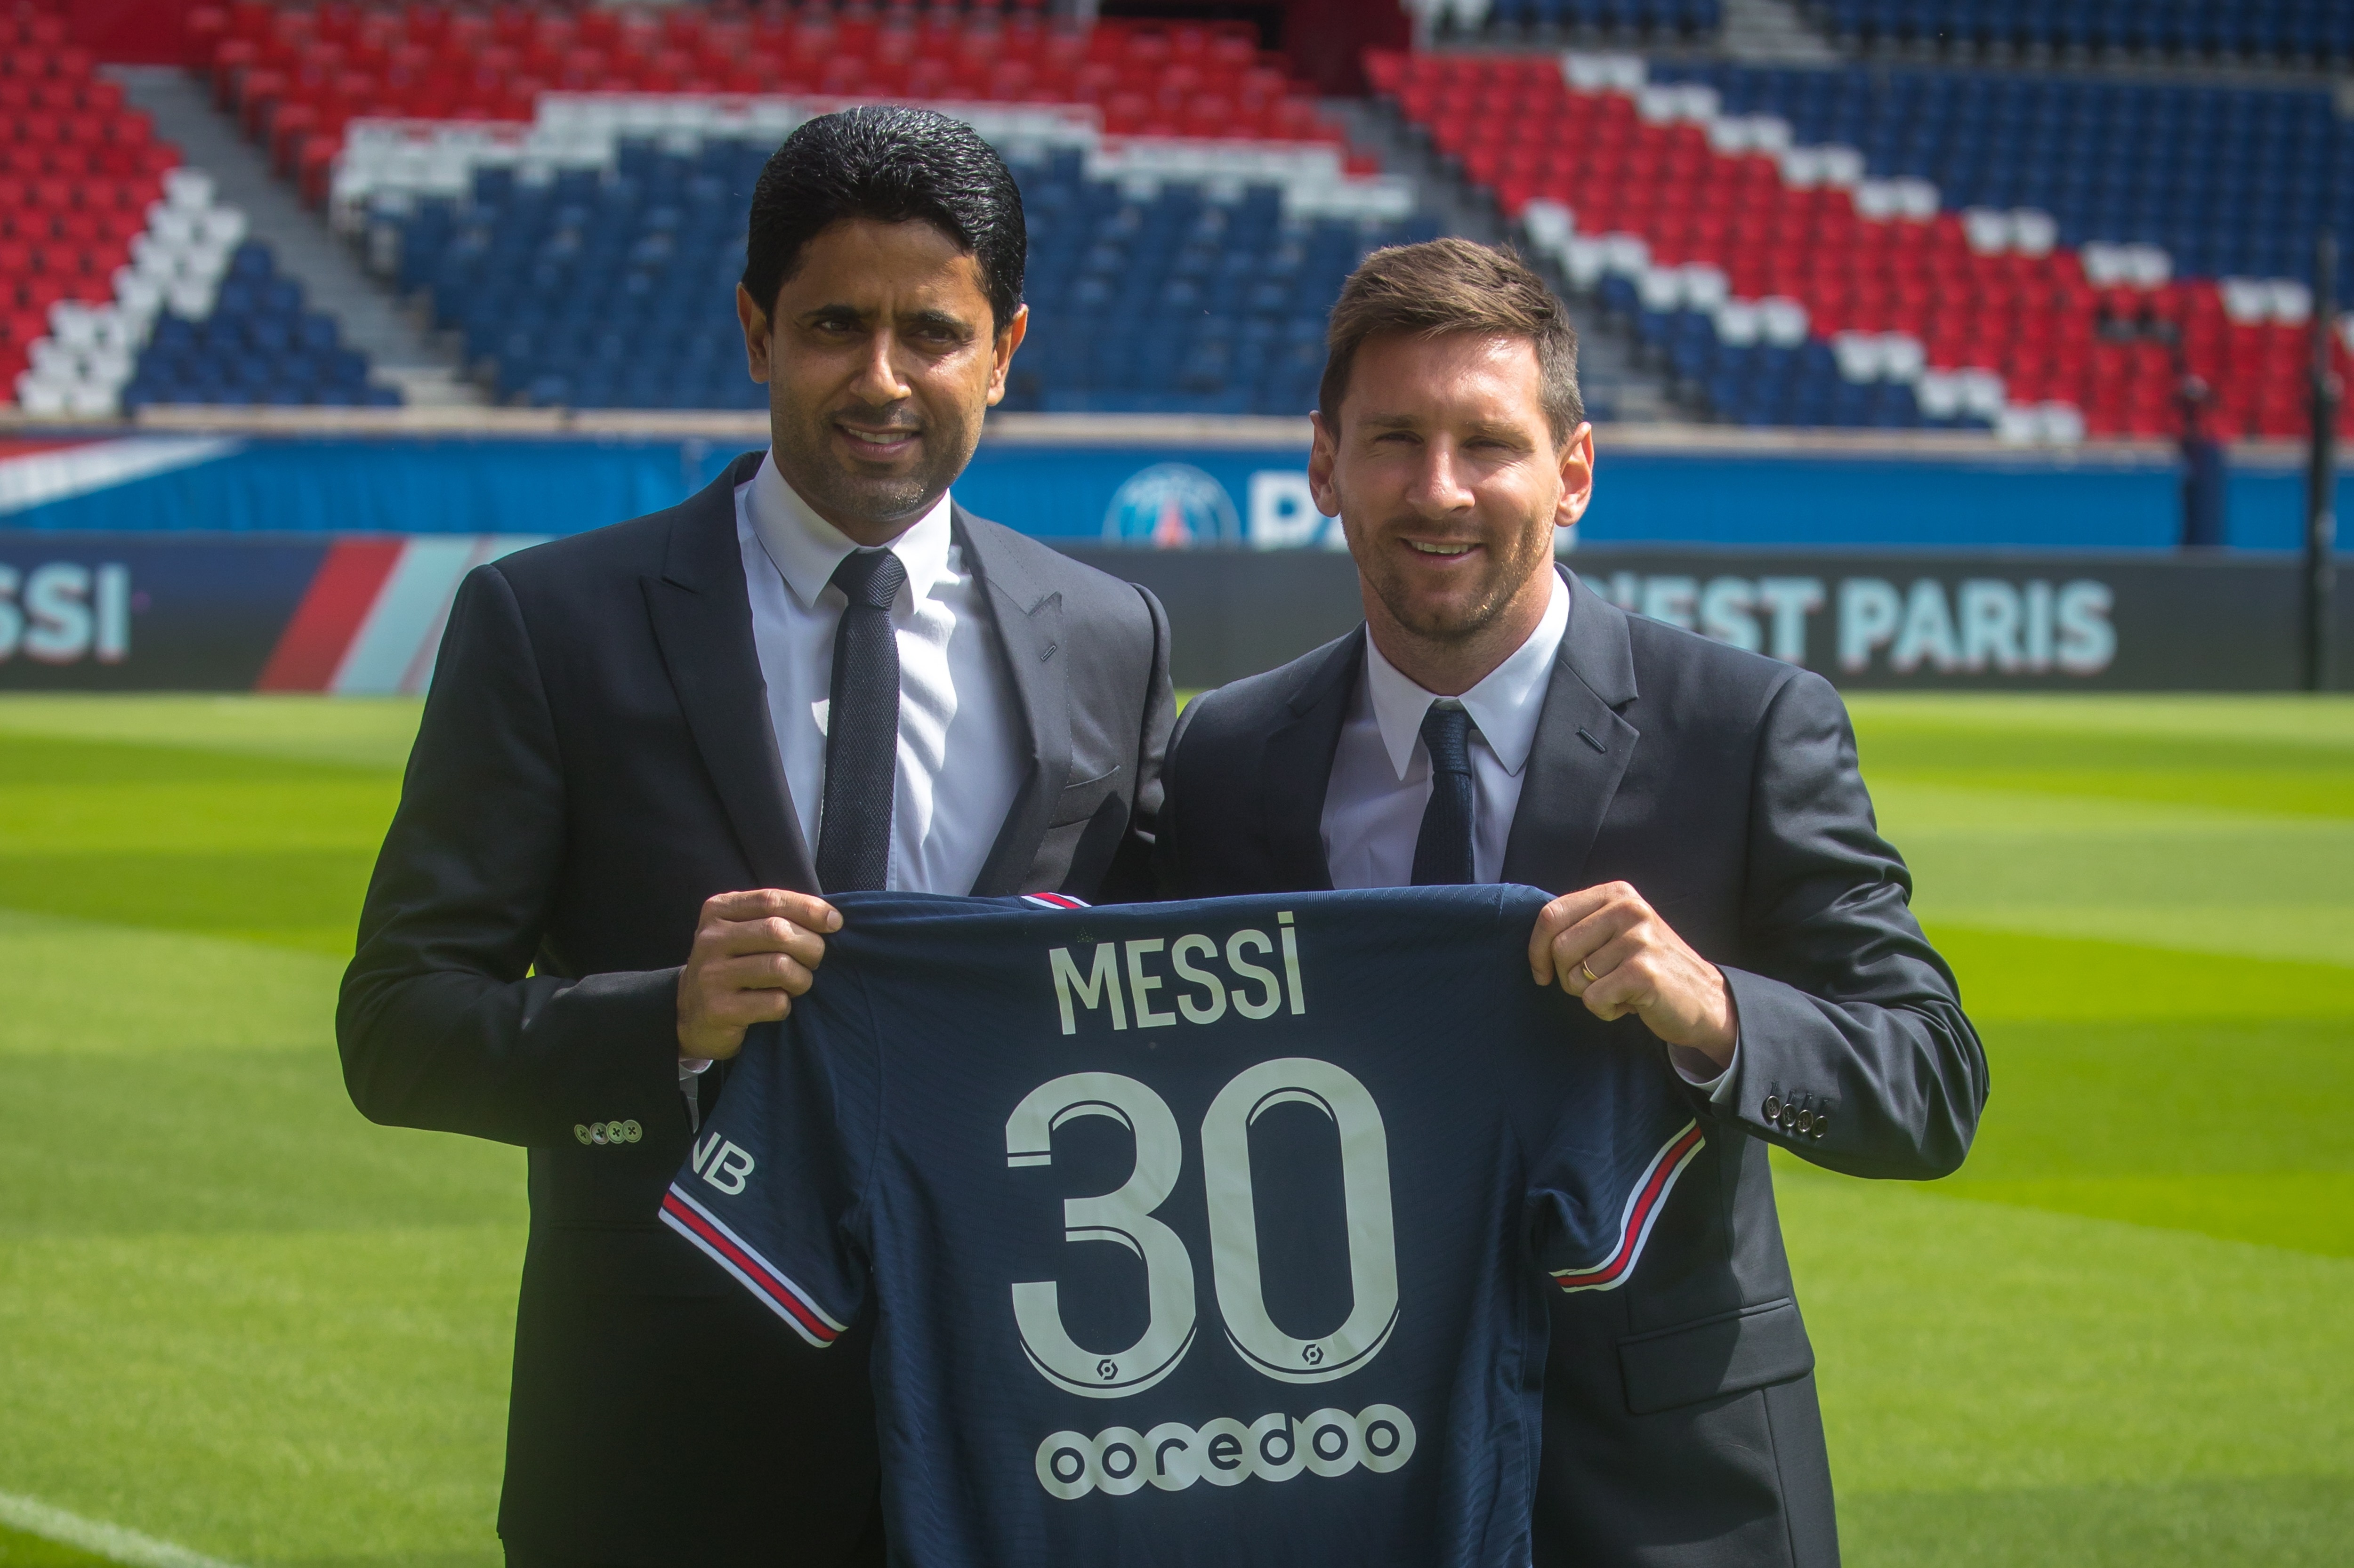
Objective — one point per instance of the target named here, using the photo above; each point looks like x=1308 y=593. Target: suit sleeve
x=441 y=1023
x=1852 y=1025
x=1131 y=877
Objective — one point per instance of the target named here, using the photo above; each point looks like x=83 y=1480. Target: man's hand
x=1611 y=950
x=754 y=952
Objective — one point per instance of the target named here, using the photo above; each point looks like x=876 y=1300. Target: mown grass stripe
x=112 y=1541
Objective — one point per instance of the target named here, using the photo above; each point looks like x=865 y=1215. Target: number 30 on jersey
x=1124 y=1216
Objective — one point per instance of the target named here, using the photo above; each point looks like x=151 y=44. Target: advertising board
x=93 y=610
x=1913 y=620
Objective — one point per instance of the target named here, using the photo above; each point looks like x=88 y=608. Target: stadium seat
x=198 y=314
x=1965 y=247
x=257 y=343
x=2298 y=32
x=1653 y=21
x=1174 y=302
x=298 y=77
x=568 y=187
x=78 y=172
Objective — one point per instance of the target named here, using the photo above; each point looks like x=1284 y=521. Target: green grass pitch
x=235 y=1316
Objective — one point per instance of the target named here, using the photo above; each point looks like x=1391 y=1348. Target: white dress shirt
x=1381 y=774
x=957 y=705
x=956 y=697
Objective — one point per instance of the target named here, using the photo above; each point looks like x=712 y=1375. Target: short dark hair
x=1445 y=286
x=890 y=164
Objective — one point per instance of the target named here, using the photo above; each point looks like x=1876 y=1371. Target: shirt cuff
x=692 y=1067
x=1696 y=1068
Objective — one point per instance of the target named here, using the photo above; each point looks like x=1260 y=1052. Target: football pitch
x=235 y=1316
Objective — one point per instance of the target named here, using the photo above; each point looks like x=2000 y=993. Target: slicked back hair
x=1447 y=286
x=889 y=165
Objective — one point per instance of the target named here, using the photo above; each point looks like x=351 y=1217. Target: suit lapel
x=1583 y=747
x=702 y=617
x=1296 y=769
x=1037 y=661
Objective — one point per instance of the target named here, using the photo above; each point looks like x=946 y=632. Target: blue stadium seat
x=2311 y=32
x=618 y=290
x=259 y=345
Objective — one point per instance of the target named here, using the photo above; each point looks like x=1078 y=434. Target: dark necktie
x=1442 y=851
x=862 y=727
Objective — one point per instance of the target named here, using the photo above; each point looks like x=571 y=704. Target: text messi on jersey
x=1201 y=993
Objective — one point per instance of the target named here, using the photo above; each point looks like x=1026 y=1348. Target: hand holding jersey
x=753 y=953
x=1608 y=947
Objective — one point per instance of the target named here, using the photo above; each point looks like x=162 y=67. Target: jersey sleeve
x=773 y=1180
x=1604 y=1171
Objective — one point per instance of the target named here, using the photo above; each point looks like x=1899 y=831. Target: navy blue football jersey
x=1200 y=1232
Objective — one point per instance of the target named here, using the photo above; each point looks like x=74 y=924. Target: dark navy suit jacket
x=595 y=761
x=1680 y=1419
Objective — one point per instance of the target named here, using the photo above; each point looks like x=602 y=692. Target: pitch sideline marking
x=109 y=1541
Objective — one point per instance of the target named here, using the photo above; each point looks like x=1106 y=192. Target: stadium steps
x=400 y=352
x=1772 y=32
x=1616 y=387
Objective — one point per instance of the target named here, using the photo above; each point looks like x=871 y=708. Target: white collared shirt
x=962 y=747
x=1381 y=777
x=1381 y=773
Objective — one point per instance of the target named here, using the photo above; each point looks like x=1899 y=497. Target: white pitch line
x=108 y=1541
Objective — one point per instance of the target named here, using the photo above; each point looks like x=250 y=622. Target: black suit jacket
x=1680 y=1419
x=595 y=761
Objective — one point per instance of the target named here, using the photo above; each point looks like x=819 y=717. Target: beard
x=808 y=457
x=1462 y=619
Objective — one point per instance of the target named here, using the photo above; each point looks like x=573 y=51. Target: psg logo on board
x=1172 y=506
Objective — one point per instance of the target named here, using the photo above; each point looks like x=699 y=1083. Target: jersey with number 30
x=1208 y=1232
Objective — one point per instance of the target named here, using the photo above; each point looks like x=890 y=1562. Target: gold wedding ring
x=1586 y=970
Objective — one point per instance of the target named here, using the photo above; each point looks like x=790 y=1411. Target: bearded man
x=1723 y=888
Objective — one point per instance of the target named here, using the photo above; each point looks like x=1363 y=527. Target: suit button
x=1772 y=1109
x=581 y=1131
x=631 y=1131
x=1804 y=1122
x=1822 y=1123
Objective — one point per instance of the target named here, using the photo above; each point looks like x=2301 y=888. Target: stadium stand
x=255 y=345
x=2300 y=32
x=1183 y=303
x=618 y=220
x=1779 y=235
x=1654 y=21
x=570 y=187
x=111 y=253
x=77 y=175
x=301 y=76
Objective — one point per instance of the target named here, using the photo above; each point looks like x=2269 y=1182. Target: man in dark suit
x=1699 y=810
x=647 y=750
